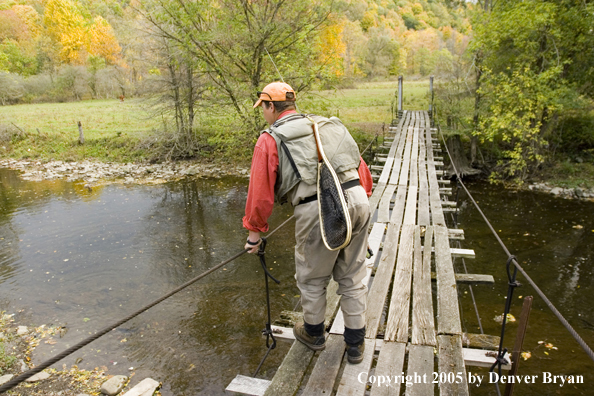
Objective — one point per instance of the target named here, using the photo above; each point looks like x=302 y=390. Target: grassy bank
x=119 y=132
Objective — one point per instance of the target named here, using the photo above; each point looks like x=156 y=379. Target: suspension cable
x=549 y=304
x=17 y=380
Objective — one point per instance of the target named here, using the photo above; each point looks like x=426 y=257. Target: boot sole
x=355 y=360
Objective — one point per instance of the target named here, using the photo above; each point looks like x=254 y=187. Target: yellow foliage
x=103 y=42
x=332 y=48
x=77 y=37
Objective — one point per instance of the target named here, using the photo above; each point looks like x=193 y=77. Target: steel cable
x=17 y=380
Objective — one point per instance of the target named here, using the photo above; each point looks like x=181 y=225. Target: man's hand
x=253 y=242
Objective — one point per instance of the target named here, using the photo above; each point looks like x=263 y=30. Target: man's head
x=276 y=98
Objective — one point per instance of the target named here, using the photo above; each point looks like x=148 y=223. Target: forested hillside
x=68 y=49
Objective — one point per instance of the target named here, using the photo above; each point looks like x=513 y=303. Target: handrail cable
x=17 y=380
x=552 y=307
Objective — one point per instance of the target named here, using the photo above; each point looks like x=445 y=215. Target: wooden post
x=519 y=342
x=81 y=136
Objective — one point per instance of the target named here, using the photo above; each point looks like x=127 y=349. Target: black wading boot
x=355 y=341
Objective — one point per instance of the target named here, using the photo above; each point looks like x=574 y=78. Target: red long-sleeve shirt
x=260 y=199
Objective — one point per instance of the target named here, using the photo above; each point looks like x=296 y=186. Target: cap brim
x=258 y=103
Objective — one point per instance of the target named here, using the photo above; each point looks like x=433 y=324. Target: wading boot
x=355 y=353
x=313 y=343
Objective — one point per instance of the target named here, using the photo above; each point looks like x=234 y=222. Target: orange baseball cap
x=276 y=92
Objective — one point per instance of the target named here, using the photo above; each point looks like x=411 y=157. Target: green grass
x=113 y=130
x=568 y=174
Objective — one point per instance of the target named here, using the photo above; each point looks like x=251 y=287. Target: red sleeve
x=260 y=199
x=365 y=177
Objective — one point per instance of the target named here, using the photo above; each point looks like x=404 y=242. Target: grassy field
x=113 y=130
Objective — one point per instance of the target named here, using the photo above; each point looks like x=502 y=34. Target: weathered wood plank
x=381 y=283
x=349 y=382
x=423 y=325
x=398 y=210
x=389 y=363
x=483 y=358
x=437 y=217
x=383 y=214
x=397 y=325
x=451 y=360
x=325 y=371
x=423 y=205
x=447 y=298
x=480 y=341
x=421 y=364
x=290 y=374
x=477 y=279
x=248 y=385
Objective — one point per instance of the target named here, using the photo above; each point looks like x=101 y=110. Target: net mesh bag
x=334 y=218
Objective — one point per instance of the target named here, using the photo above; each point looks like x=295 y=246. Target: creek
x=81 y=258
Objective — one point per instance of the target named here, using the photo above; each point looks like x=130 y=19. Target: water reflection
x=554 y=241
x=84 y=259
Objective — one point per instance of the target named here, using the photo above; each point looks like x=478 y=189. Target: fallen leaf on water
x=123 y=340
x=546 y=353
x=540 y=342
x=526 y=355
x=86 y=319
x=51 y=341
x=578 y=227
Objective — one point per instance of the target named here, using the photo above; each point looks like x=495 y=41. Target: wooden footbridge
x=413 y=330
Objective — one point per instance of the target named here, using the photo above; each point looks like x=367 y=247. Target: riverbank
x=17 y=344
x=94 y=173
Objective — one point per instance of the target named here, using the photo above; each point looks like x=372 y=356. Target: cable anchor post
x=268 y=330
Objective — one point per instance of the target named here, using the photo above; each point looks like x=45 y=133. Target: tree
x=229 y=40
x=534 y=56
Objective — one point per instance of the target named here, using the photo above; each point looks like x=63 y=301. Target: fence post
x=81 y=136
x=399 y=96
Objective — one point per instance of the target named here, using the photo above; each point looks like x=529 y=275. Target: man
x=284 y=167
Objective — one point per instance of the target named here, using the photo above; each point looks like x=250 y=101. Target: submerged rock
x=146 y=387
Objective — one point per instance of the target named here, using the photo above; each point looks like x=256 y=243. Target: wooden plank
x=462 y=253
x=447 y=298
x=480 y=341
x=398 y=158
x=377 y=194
x=478 y=279
x=383 y=213
x=349 y=382
x=290 y=374
x=397 y=325
x=455 y=233
x=451 y=360
x=323 y=375
x=248 y=385
x=398 y=210
x=381 y=283
x=483 y=358
x=410 y=212
x=420 y=369
x=389 y=363
x=283 y=333
x=423 y=325
x=423 y=205
x=437 y=217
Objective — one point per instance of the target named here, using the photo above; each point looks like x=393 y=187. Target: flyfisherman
x=284 y=167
